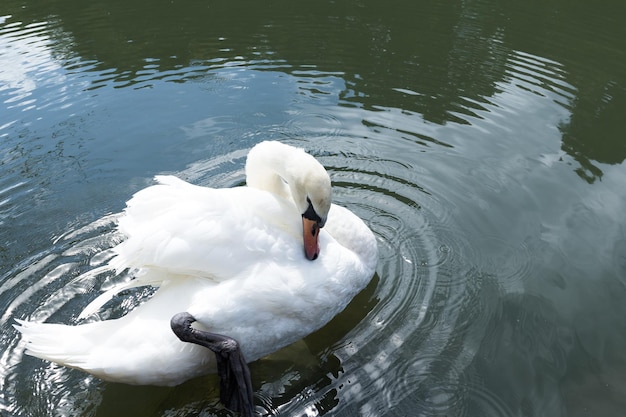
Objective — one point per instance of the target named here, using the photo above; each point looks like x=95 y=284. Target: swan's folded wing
x=185 y=229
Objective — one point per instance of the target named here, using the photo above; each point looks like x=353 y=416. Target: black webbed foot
x=235 y=383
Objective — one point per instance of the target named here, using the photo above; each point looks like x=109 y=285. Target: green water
x=482 y=142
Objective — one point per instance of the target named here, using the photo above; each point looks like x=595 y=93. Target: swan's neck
x=266 y=175
x=291 y=173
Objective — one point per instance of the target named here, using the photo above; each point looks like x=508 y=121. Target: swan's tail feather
x=56 y=343
x=136 y=351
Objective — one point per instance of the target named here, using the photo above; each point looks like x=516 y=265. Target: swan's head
x=312 y=194
x=290 y=172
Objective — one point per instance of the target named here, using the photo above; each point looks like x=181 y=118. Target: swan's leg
x=235 y=382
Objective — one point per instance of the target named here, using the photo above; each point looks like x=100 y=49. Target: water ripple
x=540 y=76
x=305 y=124
x=420 y=292
x=55 y=283
x=28 y=64
x=407 y=342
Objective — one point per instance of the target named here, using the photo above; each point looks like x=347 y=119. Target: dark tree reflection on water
x=448 y=60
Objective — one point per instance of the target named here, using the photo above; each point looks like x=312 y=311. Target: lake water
x=482 y=141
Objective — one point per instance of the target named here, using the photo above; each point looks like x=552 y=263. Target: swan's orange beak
x=311 y=230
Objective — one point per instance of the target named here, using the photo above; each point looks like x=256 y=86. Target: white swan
x=232 y=260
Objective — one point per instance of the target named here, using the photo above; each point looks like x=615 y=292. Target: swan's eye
x=311 y=214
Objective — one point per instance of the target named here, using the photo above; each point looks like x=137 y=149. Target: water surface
x=481 y=141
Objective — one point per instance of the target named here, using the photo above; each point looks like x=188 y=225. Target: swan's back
x=213 y=233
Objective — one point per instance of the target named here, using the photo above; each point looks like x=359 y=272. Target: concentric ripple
x=417 y=299
x=452 y=153
x=54 y=285
x=423 y=296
